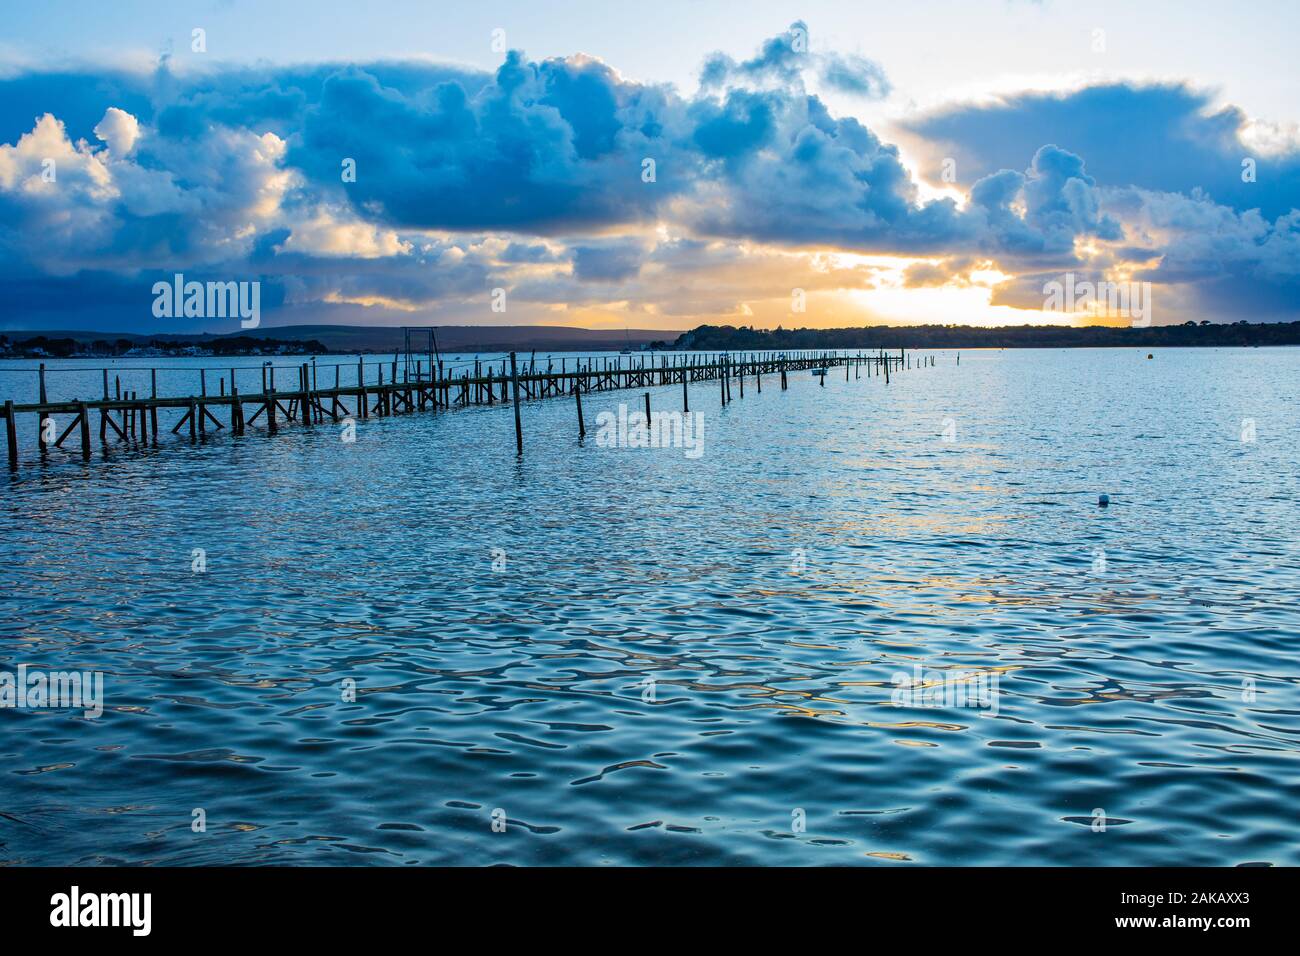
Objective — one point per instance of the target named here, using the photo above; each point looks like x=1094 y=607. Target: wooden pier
x=129 y=418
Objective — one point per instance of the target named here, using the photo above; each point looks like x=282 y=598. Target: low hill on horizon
x=554 y=338
x=362 y=338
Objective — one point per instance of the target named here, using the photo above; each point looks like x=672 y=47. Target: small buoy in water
x=1149 y=355
x=1103 y=501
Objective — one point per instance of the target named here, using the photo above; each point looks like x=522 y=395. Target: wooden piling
x=362 y=400
x=577 y=394
x=84 y=414
x=103 y=414
x=40 y=420
x=519 y=428
x=307 y=412
x=11 y=434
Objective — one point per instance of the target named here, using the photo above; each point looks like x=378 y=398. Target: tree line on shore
x=729 y=337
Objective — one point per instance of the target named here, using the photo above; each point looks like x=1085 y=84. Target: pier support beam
x=40 y=419
x=84 y=414
x=11 y=434
x=519 y=428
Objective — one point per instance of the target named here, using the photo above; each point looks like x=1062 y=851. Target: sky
x=655 y=166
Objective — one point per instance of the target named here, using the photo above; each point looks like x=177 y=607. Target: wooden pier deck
x=129 y=418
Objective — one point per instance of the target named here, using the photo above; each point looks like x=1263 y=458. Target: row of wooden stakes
x=132 y=417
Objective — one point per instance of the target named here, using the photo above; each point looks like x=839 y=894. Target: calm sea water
x=636 y=657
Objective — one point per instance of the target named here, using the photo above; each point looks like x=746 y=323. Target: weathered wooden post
x=577 y=394
x=40 y=419
x=362 y=399
x=103 y=413
x=268 y=391
x=686 y=397
x=307 y=413
x=11 y=433
x=193 y=414
x=153 y=407
x=519 y=428
x=84 y=414
x=647 y=409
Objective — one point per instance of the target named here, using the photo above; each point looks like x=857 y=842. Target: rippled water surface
x=681 y=659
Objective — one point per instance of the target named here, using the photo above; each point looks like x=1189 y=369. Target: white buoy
x=1103 y=501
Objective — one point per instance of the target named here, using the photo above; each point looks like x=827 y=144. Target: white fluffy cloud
x=120 y=130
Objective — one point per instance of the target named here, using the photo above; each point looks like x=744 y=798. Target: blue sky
x=927 y=162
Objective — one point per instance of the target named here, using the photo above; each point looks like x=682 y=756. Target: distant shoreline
x=308 y=340
x=729 y=338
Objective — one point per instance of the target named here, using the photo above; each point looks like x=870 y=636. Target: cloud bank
x=374 y=192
